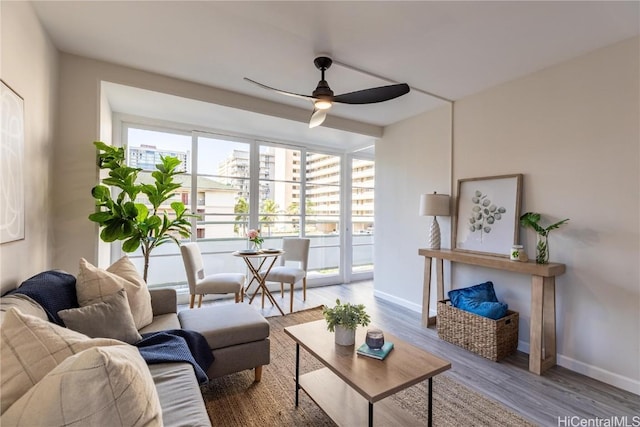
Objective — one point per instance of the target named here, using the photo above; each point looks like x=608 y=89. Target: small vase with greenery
x=344 y=320
x=531 y=219
x=255 y=238
x=122 y=217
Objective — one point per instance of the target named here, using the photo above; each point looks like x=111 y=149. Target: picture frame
x=12 y=212
x=487 y=215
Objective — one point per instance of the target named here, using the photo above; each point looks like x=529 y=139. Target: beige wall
x=573 y=131
x=412 y=158
x=29 y=64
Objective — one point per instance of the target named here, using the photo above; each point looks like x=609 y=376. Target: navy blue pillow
x=490 y=309
x=482 y=292
x=54 y=290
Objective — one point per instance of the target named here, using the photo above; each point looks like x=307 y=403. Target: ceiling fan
x=323 y=97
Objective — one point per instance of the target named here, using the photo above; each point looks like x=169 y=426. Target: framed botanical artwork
x=487 y=214
x=11 y=165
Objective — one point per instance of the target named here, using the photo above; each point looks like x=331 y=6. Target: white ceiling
x=452 y=49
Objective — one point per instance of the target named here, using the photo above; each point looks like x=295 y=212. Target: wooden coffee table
x=348 y=382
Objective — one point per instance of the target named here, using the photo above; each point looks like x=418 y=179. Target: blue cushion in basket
x=482 y=292
x=491 y=309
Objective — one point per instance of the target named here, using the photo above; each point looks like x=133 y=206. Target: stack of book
x=376 y=353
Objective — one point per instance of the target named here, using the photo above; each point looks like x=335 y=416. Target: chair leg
x=192 y=299
x=258 y=373
x=281 y=290
x=199 y=300
x=304 y=289
x=291 y=303
x=242 y=294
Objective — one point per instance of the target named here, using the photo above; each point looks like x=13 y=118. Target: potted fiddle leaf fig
x=344 y=320
x=531 y=219
x=122 y=217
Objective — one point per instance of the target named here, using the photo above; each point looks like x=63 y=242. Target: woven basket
x=493 y=339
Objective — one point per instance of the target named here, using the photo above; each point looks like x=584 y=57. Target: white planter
x=345 y=336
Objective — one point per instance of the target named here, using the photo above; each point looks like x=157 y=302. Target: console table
x=542 y=333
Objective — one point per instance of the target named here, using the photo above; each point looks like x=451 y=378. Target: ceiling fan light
x=317 y=118
x=322 y=104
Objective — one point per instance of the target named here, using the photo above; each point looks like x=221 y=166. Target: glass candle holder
x=375 y=338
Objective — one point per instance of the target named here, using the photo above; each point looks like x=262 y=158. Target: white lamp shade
x=434 y=205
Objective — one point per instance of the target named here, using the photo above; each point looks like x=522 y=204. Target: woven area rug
x=235 y=400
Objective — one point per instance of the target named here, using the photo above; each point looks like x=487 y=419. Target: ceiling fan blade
x=295 y=95
x=373 y=95
x=317 y=118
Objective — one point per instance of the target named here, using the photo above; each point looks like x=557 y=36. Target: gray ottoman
x=237 y=334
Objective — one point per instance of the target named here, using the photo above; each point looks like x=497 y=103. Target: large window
x=144 y=148
x=279 y=193
x=234 y=184
x=322 y=219
x=223 y=181
x=362 y=190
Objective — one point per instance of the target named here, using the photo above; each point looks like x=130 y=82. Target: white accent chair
x=201 y=284
x=296 y=251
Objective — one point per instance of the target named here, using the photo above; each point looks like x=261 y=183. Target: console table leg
x=440 y=278
x=426 y=292
x=542 y=351
x=549 y=323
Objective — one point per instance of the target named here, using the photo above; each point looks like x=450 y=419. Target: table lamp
x=434 y=205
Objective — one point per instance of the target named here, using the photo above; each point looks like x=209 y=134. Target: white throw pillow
x=30 y=348
x=93 y=284
x=109 y=318
x=97 y=387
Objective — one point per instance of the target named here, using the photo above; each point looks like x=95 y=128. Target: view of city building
x=147 y=156
x=223 y=200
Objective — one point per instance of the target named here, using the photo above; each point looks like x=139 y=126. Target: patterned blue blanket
x=54 y=290
x=177 y=345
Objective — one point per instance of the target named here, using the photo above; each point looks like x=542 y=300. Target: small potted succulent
x=531 y=219
x=343 y=319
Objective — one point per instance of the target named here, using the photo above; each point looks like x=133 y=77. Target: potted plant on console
x=530 y=220
x=344 y=320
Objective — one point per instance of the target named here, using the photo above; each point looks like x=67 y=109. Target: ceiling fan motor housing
x=323 y=91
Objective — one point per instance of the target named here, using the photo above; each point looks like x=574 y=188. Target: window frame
x=122 y=122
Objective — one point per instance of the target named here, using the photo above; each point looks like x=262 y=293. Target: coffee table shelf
x=348 y=408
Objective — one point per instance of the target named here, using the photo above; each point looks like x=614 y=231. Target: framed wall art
x=487 y=214
x=11 y=165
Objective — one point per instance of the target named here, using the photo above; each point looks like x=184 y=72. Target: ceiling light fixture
x=322 y=104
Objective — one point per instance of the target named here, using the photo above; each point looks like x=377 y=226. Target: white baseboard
x=523 y=346
x=590 y=371
x=611 y=378
x=400 y=301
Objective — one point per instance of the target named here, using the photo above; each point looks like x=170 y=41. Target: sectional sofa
x=44 y=371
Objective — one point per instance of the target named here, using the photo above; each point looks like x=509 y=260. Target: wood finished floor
x=558 y=394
